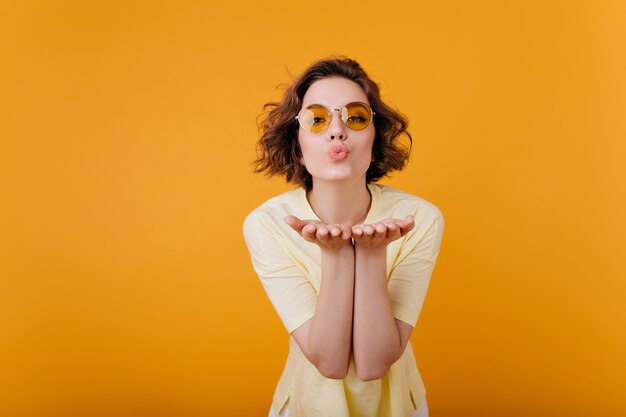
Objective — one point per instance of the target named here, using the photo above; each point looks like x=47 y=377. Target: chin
x=339 y=176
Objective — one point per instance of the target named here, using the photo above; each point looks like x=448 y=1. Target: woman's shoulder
x=396 y=202
x=279 y=202
x=274 y=210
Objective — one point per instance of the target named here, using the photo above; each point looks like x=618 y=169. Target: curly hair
x=278 y=149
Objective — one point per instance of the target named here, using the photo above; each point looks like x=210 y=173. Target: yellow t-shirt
x=289 y=268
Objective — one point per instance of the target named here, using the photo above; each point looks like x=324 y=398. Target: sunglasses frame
x=330 y=116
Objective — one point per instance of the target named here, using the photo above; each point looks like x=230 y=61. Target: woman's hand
x=331 y=237
x=382 y=233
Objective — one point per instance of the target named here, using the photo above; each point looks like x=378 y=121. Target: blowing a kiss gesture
x=354 y=293
x=337 y=236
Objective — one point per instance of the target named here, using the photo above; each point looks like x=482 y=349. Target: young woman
x=345 y=262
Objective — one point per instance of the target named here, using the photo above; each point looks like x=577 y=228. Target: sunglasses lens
x=314 y=118
x=357 y=116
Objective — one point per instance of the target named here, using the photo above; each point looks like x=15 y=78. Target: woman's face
x=337 y=153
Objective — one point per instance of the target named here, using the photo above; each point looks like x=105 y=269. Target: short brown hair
x=278 y=148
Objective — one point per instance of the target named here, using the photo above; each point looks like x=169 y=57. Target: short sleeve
x=410 y=277
x=285 y=284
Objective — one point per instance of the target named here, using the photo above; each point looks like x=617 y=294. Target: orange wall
x=127 y=135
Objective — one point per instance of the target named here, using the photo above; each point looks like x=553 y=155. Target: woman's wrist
x=370 y=263
x=346 y=249
x=371 y=252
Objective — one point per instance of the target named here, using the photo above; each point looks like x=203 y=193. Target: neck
x=338 y=202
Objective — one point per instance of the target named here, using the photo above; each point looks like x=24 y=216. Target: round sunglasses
x=315 y=118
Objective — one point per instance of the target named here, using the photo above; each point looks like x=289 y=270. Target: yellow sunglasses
x=316 y=118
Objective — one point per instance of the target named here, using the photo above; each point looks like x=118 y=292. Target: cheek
x=371 y=150
x=302 y=146
x=305 y=148
x=368 y=150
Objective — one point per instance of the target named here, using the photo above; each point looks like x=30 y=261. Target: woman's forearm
x=375 y=339
x=330 y=335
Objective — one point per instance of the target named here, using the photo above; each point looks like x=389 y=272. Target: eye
x=357 y=119
x=318 y=120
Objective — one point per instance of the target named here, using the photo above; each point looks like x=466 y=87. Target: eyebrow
x=335 y=108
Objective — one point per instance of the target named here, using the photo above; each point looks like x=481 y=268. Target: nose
x=338 y=136
x=337 y=129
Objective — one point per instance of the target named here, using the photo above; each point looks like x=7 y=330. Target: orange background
x=127 y=132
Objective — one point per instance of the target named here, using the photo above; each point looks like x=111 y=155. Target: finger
x=346 y=231
x=357 y=231
x=380 y=230
x=335 y=230
x=322 y=233
x=392 y=227
x=368 y=230
x=295 y=223
x=393 y=230
x=408 y=224
x=308 y=231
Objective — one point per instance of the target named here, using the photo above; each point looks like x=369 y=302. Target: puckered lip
x=338 y=153
x=338 y=149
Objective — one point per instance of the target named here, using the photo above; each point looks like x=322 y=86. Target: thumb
x=408 y=223
x=295 y=223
